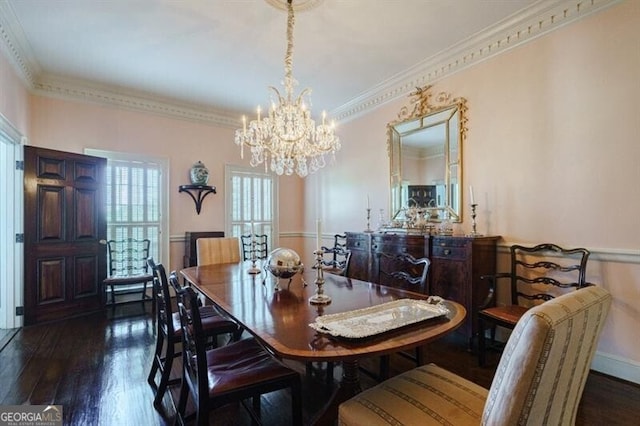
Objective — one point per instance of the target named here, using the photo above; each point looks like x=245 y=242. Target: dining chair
x=254 y=245
x=537 y=274
x=127 y=267
x=169 y=332
x=539 y=380
x=407 y=272
x=336 y=259
x=231 y=373
x=211 y=251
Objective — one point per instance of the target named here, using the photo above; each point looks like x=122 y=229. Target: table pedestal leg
x=349 y=387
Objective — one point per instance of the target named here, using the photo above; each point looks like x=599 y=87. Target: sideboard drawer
x=449 y=252
x=450 y=242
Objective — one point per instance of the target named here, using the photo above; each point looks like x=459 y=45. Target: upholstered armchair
x=539 y=380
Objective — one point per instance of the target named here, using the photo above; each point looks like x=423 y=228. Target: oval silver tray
x=378 y=319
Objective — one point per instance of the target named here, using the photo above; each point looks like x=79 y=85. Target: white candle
x=473 y=201
x=252 y=228
x=368 y=204
x=318 y=234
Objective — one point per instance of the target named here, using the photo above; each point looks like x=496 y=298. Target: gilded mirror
x=425 y=152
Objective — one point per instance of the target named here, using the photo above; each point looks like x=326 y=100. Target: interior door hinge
x=19 y=238
x=19 y=165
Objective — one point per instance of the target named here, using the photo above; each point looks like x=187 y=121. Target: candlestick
x=318 y=234
x=319 y=298
x=368 y=221
x=474 y=233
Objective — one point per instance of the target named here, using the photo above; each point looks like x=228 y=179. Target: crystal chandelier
x=287 y=137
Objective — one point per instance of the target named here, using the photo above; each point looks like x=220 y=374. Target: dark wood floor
x=96 y=367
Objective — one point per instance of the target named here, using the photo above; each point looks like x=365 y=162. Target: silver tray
x=381 y=318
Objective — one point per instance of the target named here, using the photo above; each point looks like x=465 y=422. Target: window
x=251 y=203
x=135 y=205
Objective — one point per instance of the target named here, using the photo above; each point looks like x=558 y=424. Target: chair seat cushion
x=427 y=395
x=240 y=364
x=211 y=324
x=506 y=314
x=133 y=279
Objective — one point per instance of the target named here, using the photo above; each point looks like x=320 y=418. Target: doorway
x=11 y=228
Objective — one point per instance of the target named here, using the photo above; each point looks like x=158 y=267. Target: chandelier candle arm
x=287 y=138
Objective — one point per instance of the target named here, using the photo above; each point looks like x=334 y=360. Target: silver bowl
x=284 y=263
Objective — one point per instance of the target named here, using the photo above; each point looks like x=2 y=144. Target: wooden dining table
x=278 y=314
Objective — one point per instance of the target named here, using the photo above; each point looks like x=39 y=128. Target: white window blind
x=133 y=202
x=251 y=203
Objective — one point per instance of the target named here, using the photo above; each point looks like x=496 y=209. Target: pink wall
x=14 y=98
x=552 y=153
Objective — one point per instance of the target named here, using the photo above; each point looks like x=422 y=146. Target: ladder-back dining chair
x=169 y=332
x=254 y=245
x=127 y=267
x=409 y=273
x=232 y=373
x=538 y=274
x=336 y=259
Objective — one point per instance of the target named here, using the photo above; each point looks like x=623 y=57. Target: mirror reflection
x=425 y=154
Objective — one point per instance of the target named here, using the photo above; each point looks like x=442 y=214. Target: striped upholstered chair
x=539 y=380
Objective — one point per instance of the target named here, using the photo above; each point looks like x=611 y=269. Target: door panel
x=65 y=263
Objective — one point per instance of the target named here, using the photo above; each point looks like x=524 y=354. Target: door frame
x=11 y=206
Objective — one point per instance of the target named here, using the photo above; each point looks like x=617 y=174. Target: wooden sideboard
x=457 y=263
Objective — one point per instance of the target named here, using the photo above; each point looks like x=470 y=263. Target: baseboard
x=615 y=366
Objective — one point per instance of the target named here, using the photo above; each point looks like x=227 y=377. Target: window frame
x=230 y=171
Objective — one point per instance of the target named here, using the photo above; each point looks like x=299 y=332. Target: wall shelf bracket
x=197 y=193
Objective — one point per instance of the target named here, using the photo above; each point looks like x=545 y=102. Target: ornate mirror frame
x=424 y=115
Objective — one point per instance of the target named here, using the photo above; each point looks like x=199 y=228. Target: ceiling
x=214 y=59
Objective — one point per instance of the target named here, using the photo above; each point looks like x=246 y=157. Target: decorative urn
x=199 y=174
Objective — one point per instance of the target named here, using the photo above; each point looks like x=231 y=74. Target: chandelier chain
x=288 y=57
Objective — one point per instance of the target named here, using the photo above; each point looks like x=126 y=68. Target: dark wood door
x=65 y=261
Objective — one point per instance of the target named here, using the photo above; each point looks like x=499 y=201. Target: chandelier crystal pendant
x=287 y=137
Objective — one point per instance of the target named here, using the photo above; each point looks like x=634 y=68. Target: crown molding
x=539 y=19
x=15 y=48
x=62 y=88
